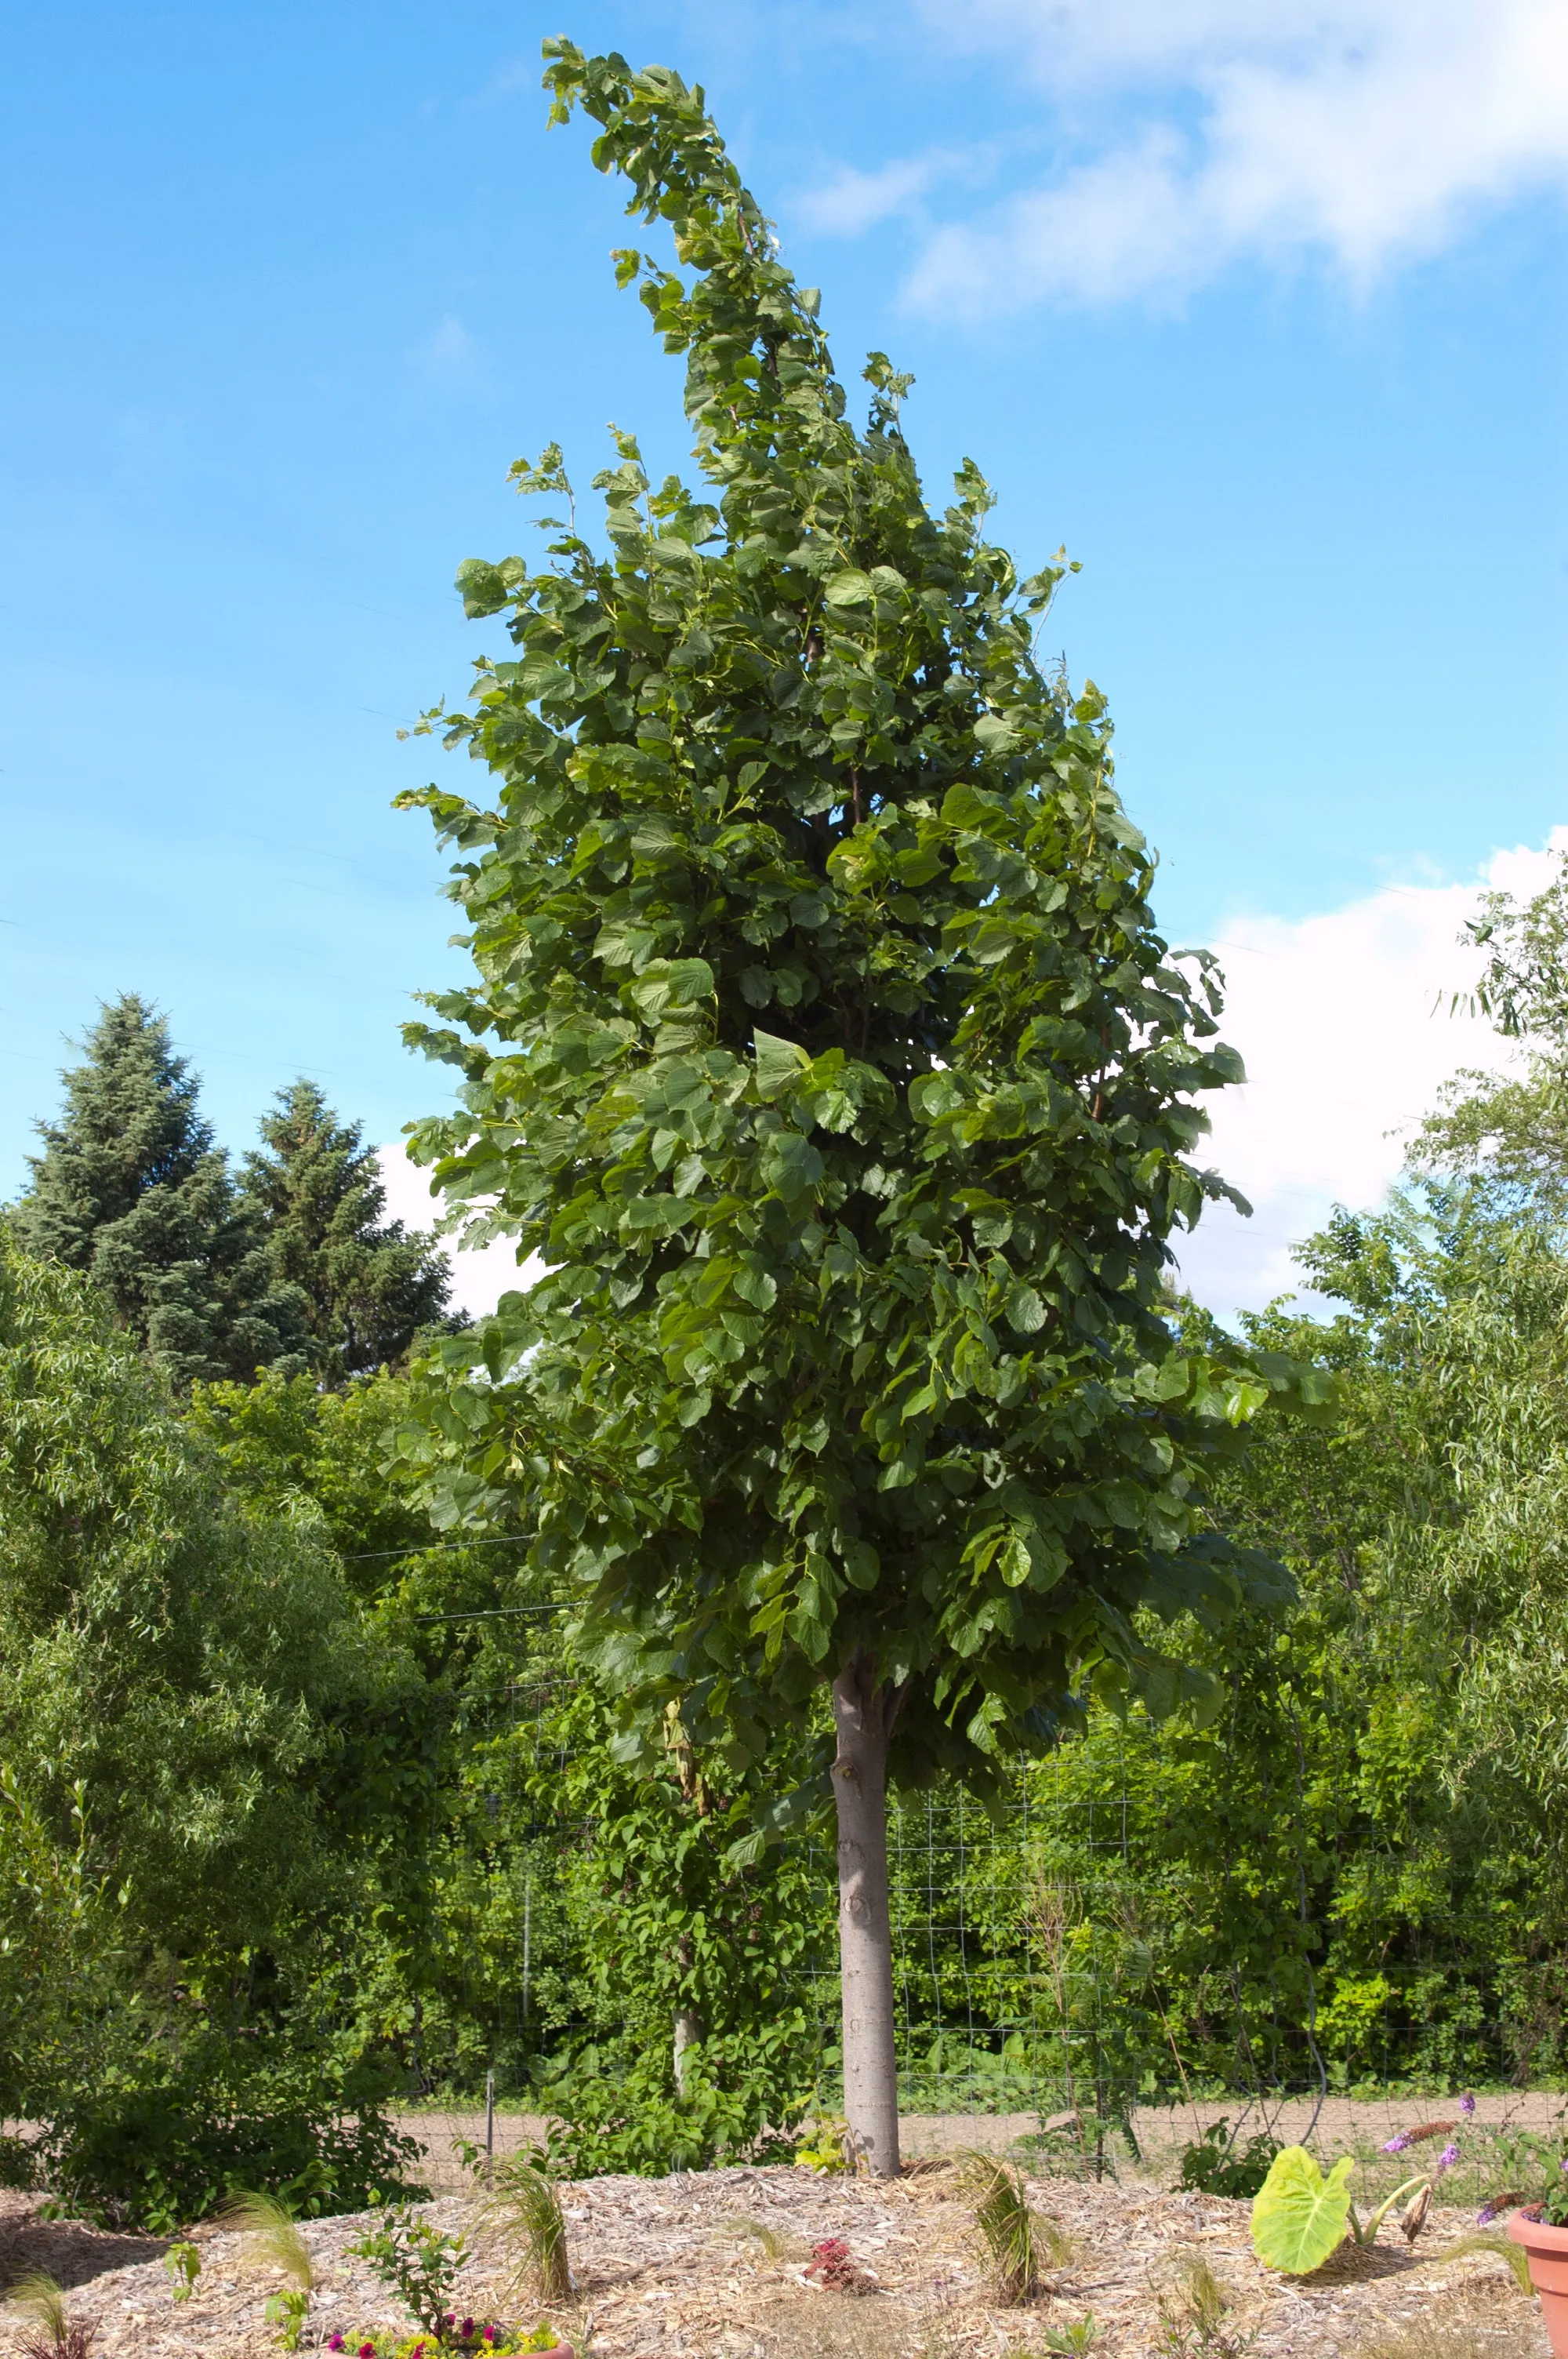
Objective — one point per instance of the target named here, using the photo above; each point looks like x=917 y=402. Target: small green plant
x=56 y=2335
x=1069 y=2341
x=288 y=2310
x=1300 y=2218
x=1193 y=2326
x=1214 y=2165
x=183 y=2262
x=1021 y=2241
x=526 y=2211
x=769 y=2242
x=418 y=2263
x=824 y=2145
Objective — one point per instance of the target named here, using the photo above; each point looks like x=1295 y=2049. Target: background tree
x=132 y=1190
x=1511 y=1130
x=367 y=1285
x=822 y=1040
x=188 y=1707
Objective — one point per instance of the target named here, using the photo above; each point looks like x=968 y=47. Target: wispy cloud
x=448 y=356
x=1191 y=135
x=849 y=201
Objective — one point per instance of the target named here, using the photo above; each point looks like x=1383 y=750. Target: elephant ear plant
x=821 y=1044
x=1300 y=2217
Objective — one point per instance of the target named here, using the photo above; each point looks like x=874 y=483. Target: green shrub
x=1214 y=2165
x=156 y=2142
x=636 y=2123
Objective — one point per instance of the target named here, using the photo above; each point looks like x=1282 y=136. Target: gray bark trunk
x=688 y=2033
x=865 y=1712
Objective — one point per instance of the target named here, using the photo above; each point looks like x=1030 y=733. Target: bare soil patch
x=672 y=2268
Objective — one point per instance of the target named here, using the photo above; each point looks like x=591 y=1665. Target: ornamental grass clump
x=54 y=2333
x=1022 y=2242
x=274 y=2241
x=525 y=2212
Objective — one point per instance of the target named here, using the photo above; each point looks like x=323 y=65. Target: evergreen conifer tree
x=132 y=1189
x=367 y=1286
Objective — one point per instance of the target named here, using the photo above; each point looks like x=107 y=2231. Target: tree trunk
x=688 y=2033
x=865 y=1713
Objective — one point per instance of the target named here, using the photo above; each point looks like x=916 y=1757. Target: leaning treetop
x=823 y=1043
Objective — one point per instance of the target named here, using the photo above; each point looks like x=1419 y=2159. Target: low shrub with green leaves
x=1216 y=2163
x=417 y=2261
x=162 y=2140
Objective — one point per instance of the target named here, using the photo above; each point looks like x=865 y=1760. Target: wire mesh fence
x=1059 y=1957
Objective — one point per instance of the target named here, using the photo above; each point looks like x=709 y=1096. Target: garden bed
x=674 y=2268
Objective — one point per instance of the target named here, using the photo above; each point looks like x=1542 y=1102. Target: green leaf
x=1299 y=2217
x=667 y=984
x=1026 y=1311
x=850 y=589
x=780 y=1063
x=791 y=1164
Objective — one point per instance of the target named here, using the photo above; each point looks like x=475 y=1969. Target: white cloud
x=1342 y=1021
x=1193 y=133
x=481 y=1274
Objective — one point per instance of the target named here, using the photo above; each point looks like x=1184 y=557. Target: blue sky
x=1257 y=309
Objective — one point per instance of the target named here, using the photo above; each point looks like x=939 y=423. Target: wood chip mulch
x=676 y=2268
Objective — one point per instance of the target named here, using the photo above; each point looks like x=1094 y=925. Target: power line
x=491 y=1612
x=435 y=1548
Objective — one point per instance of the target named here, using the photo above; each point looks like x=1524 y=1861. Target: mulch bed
x=672 y=2268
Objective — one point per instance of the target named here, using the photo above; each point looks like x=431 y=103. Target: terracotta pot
x=1548 y=2250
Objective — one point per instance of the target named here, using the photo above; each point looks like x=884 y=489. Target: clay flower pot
x=1548 y=2250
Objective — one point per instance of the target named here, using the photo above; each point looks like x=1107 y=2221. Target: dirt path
x=1343 y=2124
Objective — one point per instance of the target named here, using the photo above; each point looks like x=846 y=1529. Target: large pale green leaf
x=1299 y=2217
x=780 y=1063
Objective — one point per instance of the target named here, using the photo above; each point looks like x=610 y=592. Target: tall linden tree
x=821 y=1045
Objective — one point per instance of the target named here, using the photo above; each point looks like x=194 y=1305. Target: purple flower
x=466 y=2329
x=1397 y=2143
x=1467 y=2104
x=334 y=2342
x=1485 y=2215
x=1448 y=2157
